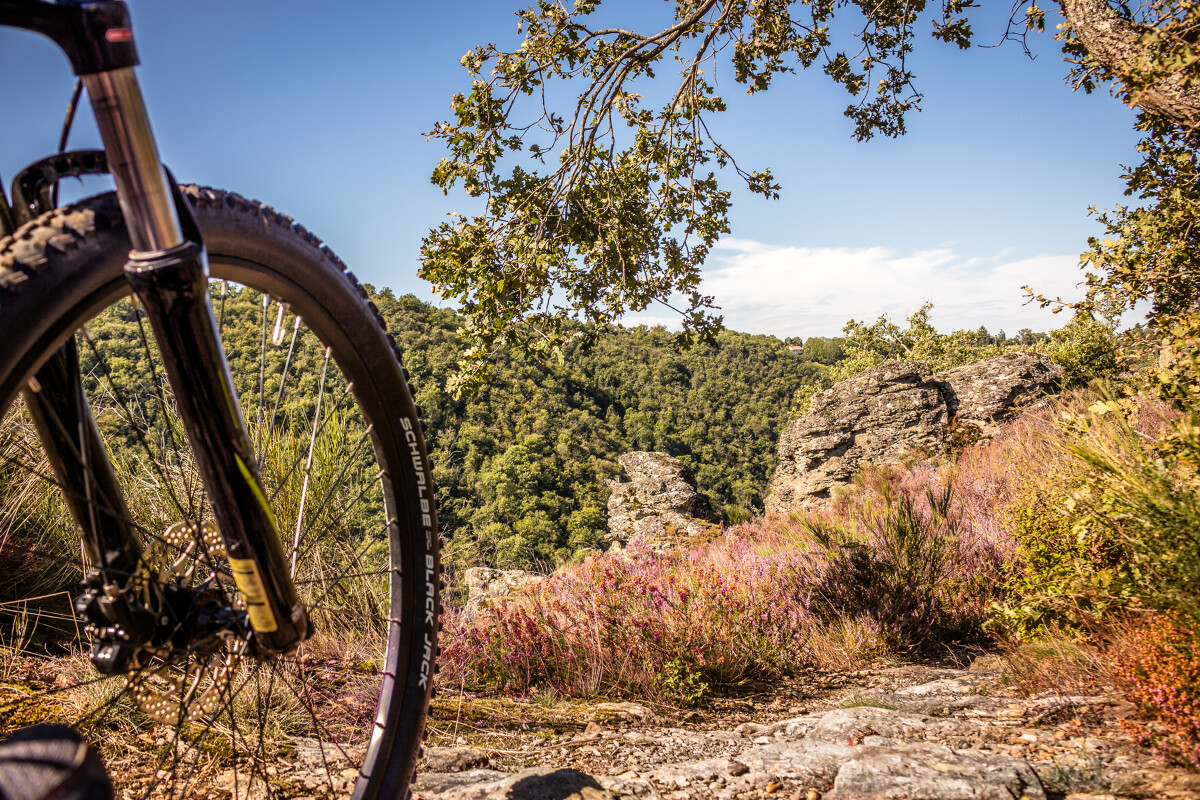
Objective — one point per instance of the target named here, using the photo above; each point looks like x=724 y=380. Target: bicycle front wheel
x=344 y=467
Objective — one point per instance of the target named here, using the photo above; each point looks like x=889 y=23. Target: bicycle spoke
x=312 y=446
x=301 y=535
x=221 y=316
x=262 y=377
x=156 y=382
x=199 y=740
x=375 y=573
x=315 y=539
x=102 y=362
x=346 y=394
x=287 y=364
x=341 y=576
x=321 y=732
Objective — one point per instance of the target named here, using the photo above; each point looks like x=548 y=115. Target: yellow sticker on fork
x=254 y=594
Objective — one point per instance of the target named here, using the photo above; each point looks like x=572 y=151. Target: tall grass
x=898 y=568
x=39 y=548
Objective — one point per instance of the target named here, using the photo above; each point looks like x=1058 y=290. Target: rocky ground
x=889 y=732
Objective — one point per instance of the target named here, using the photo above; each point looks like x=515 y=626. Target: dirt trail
x=896 y=732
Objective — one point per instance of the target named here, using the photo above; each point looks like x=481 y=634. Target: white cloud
x=803 y=291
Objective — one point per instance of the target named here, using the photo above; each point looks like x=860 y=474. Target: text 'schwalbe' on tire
x=343 y=464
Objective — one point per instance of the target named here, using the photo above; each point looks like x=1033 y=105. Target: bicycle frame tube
x=64 y=422
x=169 y=274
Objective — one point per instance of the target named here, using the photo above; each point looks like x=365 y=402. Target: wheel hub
x=177 y=629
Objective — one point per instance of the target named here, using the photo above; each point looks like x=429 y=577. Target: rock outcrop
x=485 y=584
x=660 y=504
x=981 y=395
x=879 y=415
x=897 y=408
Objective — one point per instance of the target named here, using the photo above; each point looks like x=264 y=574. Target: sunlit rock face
x=982 y=395
x=878 y=416
x=898 y=409
x=660 y=504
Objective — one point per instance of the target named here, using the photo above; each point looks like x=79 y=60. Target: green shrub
x=1140 y=494
x=681 y=681
x=1088 y=350
x=1068 y=574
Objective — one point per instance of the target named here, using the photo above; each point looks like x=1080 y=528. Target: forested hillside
x=521 y=465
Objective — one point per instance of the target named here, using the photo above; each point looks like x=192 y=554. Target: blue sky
x=319 y=109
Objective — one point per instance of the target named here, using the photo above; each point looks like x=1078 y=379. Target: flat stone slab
x=933 y=772
x=454 y=759
x=537 y=783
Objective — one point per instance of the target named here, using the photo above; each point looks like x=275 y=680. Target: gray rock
x=453 y=759
x=877 y=416
x=804 y=761
x=620 y=712
x=485 y=584
x=846 y=726
x=897 y=408
x=878 y=741
x=981 y=395
x=932 y=772
x=660 y=503
x=536 y=783
x=473 y=784
x=945 y=686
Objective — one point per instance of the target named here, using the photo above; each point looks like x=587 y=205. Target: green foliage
x=867 y=345
x=1088 y=350
x=1115 y=524
x=1144 y=487
x=1068 y=575
x=682 y=682
x=39 y=548
x=864 y=346
x=890 y=562
x=522 y=464
x=616 y=205
x=1150 y=252
x=823 y=350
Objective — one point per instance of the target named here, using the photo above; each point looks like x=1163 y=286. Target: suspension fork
x=168 y=271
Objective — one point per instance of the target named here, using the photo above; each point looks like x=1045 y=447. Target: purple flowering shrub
x=913 y=557
x=631 y=623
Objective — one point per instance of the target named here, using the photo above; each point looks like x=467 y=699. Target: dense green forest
x=522 y=464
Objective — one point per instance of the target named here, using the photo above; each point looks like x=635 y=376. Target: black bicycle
x=259 y=605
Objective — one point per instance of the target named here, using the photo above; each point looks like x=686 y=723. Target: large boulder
x=900 y=407
x=660 y=503
x=485 y=584
x=877 y=416
x=981 y=395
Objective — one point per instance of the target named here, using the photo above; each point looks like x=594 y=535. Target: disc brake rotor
x=173 y=685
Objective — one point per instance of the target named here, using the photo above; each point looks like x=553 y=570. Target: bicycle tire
x=65 y=269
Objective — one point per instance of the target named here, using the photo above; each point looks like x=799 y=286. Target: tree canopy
x=612 y=201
